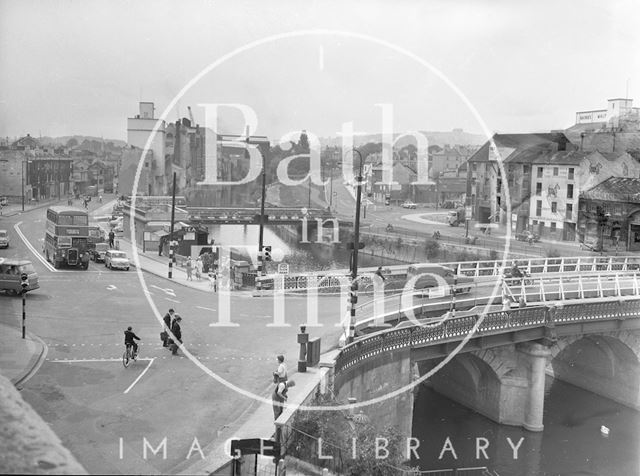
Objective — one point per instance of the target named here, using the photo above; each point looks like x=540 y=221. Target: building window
x=538 y=208
x=539 y=172
x=555 y=171
x=569 y=211
x=534 y=222
x=539 y=188
x=554 y=207
x=553 y=226
x=526 y=169
x=570 y=190
x=570 y=173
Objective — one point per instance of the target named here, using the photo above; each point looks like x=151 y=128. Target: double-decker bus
x=66 y=238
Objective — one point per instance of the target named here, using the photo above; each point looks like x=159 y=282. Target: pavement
x=20 y=358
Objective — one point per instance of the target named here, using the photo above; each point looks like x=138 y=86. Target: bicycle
x=129 y=355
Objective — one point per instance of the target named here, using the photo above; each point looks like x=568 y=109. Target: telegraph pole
x=173 y=216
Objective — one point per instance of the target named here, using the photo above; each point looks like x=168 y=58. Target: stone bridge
x=495 y=360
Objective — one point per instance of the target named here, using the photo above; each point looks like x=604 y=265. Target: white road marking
x=32 y=249
x=206 y=309
x=140 y=376
x=168 y=291
x=73 y=361
x=111 y=287
x=172 y=300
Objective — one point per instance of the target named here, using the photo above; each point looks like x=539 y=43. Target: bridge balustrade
x=480 y=269
x=541 y=289
x=455 y=328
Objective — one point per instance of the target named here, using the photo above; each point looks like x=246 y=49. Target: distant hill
x=454 y=137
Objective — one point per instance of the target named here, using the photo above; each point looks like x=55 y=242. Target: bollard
x=303 y=339
x=352 y=401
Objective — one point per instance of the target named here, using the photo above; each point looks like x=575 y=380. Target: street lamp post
x=261 y=261
x=354 y=260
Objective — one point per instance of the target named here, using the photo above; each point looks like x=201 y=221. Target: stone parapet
x=27 y=444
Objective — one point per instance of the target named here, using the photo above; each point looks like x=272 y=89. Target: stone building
x=609 y=215
x=34 y=172
x=558 y=179
x=501 y=171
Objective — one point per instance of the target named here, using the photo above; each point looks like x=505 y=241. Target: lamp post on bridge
x=353 y=295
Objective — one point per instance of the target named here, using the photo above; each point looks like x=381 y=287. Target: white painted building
x=139 y=128
x=617 y=108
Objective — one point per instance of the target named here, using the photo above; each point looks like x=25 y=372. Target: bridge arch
x=471 y=381
x=607 y=364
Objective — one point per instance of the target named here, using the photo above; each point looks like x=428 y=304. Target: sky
x=81 y=67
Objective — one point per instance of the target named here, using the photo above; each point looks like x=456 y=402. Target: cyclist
x=129 y=337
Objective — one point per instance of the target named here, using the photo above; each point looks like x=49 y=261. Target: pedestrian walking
x=176 y=330
x=168 y=317
x=379 y=273
x=189 y=267
x=112 y=237
x=213 y=281
x=199 y=268
x=280 y=375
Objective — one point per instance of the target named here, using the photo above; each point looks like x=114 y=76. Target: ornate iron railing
x=455 y=328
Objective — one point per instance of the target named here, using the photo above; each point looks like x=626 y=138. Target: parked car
x=527 y=236
x=435 y=275
x=409 y=204
x=98 y=252
x=116 y=259
x=4 y=239
x=116 y=221
x=11 y=271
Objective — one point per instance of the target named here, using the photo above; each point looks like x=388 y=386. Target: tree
x=337 y=428
x=71 y=143
x=303 y=144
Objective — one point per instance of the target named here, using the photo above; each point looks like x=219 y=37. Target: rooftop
x=541 y=142
x=615 y=189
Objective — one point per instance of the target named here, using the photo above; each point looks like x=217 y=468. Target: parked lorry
x=456 y=216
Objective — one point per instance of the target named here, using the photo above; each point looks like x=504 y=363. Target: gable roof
x=520 y=143
x=615 y=189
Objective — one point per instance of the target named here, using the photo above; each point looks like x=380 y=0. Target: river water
x=300 y=257
x=571 y=444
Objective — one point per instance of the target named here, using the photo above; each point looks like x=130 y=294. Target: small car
x=4 y=239
x=527 y=236
x=98 y=252
x=116 y=259
x=409 y=204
